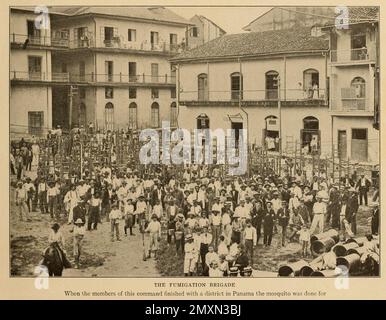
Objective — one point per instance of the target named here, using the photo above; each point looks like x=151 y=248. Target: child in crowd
x=304 y=238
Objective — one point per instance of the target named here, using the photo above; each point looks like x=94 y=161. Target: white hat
x=79 y=220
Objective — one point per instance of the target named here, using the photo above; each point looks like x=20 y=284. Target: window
x=82 y=71
x=358 y=45
x=203 y=91
x=173 y=115
x=132 y=93
x=153 y=39
x=236 y=86
x=82 y=93
x=81 y=37
x=35 y=122
x=310 y=135
x=133 y=116
x=310 y=84
x=154 y=93
x=173 y=72
x=35 y=67
x=359 y=145
x=271 y=85
x=173 y=41
x=109 y=116
x=109 y=93
x=33 y=32
x=82 y=115
x=133 y=72
x=194 y=32
x=109 y=71
x=354 y=97
x=109 y=36
x=202 y=121
x=173 y=93
x=154 y=72
x=64 y=67
x=155 y=115
x=132 y=35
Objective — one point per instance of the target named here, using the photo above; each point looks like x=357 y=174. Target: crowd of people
x=213 y=222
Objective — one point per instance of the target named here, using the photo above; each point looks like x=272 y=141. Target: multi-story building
x=280 y=18
x=203 y=31
x=102 y=65
x=236 y=81
x=354 y=84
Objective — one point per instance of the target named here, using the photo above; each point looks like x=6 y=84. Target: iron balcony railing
x=352 y=55
x=89 y=41
x=92 y=77
x=254 y=95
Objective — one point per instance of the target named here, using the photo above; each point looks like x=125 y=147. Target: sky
x=231 y=19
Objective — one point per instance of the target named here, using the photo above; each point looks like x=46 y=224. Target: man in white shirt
x=71 y=200
x=42 y=194
x=52 y=194
x=154 y=229
x=157 y=209
x=319 y=211
x=215 y=221
x=250 y=238
x=241 y=211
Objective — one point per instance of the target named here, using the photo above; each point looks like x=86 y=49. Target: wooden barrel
x=332 y=233
x=321 y=246
x=351 y=262
x=341 y=249
x=357 y=250
x=292 y=269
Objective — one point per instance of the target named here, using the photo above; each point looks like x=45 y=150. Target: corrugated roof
x=257 y=43
x=159 y=14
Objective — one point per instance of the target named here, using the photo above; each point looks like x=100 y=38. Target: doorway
x=342 y=144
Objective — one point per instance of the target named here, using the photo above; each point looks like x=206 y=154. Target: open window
x=311 y=84
x=133 y=116
x=155 y=115
x=109 y=116
x=236 y=86
x=203 y=91
x=271 y=85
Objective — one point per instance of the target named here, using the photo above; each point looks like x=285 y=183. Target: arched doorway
x=109 y=116
x=155 y=115
x=133 y=116
x=310 y=135
x=271 y=133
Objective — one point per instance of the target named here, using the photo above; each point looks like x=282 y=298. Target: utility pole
x=280 y=131
x=73 y=91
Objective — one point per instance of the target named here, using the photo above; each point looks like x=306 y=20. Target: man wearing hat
x=363 y=185
x=190 y=256
x=79 y=211
x=319 y=210
x=21 y=201
x=154 y=230
x=250 y=238
x=78 y=232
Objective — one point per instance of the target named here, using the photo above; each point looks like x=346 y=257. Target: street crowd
x=214 y=222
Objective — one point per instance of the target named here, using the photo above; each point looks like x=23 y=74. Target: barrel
x=360 y=240
x=292 y=269
x=341 y=249
x=321 y=246
x=357 y=250
x=325 y=273
x=332 y=233
x=306 y=271
x=351 y=262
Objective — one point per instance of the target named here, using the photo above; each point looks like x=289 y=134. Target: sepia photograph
x=194 y=141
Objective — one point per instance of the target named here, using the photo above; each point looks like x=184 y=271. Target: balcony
x=351 y=102
x=116 y=79
x=353 y=56
x=255 y=97
x=43 y=41
x=89 y=41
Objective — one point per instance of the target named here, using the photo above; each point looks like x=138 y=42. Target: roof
x=211 y=21
x=159 y=14
x=363 y=14
x=257 y=43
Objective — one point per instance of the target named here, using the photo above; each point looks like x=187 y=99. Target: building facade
x=241 y=86
x=281 y=18
x=105 y=66
x=203 y=31
x=354 y=85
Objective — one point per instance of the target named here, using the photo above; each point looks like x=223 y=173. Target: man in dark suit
x=80 y=211
x=363 y=186
x=235 y=196
x=352 y=209
x=157 y=194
